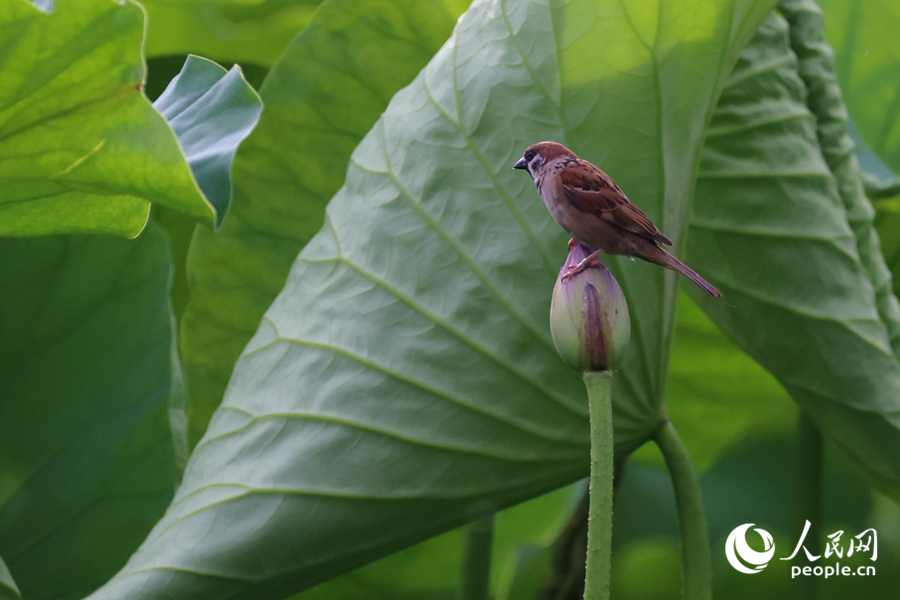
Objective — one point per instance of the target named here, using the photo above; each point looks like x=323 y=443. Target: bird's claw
x=571 y=243
x=585 y=264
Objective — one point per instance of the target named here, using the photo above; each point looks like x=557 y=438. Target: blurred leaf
x=8 y=588
x=241 y=31
x=864 y=36
x=717 y=395
x=553 y=568
x=532 y=568
x=404 y=381
x=879 y=180
x=887 y=223
x=321 y=98
x=86 y=457
x=770 y=228
x=635 y=561
x=82 y=149
x=211 y=111
x=752 y=483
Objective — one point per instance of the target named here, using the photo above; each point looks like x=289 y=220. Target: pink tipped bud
x=589 y=317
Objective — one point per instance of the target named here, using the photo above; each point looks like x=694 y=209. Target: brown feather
x=592 y=191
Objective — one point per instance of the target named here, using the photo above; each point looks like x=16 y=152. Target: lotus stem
x=599 y=547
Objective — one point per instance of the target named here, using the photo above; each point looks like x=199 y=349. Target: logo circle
x=736 y=546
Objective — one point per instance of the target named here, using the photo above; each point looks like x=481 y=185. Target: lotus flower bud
x=589 y=317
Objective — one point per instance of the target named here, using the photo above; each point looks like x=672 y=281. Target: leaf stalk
x=475 y=570
x=809 y=492
x=696 y=567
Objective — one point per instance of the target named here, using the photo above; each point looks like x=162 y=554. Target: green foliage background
x=342 y=316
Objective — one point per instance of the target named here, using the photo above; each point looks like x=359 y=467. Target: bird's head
x=540 y=154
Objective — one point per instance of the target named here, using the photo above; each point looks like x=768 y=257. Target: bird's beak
x=521 y=164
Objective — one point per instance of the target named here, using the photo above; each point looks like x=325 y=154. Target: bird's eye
x=529 y=154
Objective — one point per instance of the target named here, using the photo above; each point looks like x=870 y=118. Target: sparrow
x=591 y=208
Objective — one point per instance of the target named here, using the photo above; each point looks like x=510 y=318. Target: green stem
x=696 y=565
x=809 y=491
x=596 y=582
x=475 y=571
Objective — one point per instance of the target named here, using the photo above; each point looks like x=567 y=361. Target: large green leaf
x=404 y=380
x=81 y=149
x=321 y=98
x=87 y=461
x=770 y=227
x=431 y=569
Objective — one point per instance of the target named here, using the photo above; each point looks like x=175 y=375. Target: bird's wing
x=592 y=191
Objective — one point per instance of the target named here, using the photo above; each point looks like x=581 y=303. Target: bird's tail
x=670 y=262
